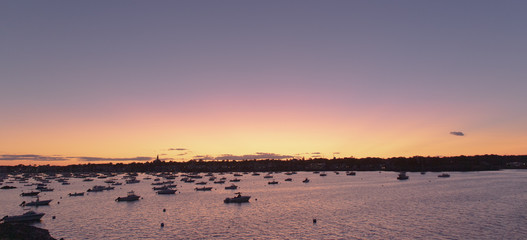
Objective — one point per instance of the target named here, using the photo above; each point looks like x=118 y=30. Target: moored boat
x=167 y=191
x=132 y=181
x=45 y=189
x=444 y=175
x=38 y=202
x=237 y=199
x=98 y=188
x=306 y=180
x=76 y=194
x=26 y=217
x=402 y=176
x=27 y=194
x=231 y=187
x=203 y=189
x=160 y=188
x=130 y=197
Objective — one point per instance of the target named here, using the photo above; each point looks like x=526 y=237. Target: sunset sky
x=110 y=81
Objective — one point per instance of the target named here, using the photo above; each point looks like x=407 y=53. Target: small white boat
x=237 y=199
x=130 y=197
x=26 y=217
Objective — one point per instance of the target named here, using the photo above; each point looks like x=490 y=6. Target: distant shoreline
x=411 y=164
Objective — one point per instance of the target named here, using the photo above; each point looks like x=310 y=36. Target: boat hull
x=127 y=199
x=38 y=203
x=241 y=199
x=23 y=218
x=168 y=191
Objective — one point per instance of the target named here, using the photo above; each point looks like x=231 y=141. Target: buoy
x=53 y=217
x=162 y=224
x=314 y=220
x=58 y=202
x=164 y=210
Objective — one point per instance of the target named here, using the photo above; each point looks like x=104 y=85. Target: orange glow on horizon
x=230 y=127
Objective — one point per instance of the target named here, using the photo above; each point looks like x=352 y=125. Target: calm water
x=370 y=205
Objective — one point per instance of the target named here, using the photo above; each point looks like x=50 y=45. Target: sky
x=120 y=81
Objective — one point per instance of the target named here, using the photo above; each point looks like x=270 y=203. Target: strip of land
x=411 y=164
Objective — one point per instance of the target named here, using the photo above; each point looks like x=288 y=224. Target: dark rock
x=19 y=231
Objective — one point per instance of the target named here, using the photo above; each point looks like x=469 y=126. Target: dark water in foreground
x=370 y=205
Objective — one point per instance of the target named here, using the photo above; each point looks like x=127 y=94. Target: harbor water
x=369 y=205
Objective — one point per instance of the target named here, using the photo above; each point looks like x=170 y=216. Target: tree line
x=412 y=164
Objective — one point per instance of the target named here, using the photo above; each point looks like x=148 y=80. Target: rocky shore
x=19 y=231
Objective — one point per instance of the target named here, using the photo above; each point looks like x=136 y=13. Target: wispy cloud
x=51 y=158
x=177 y=149
x=258 y=155
x=98 y=159
x=204 y=157
x=457 y=133
x=32 y=157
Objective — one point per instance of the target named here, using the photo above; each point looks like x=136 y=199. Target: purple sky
x=456 y=62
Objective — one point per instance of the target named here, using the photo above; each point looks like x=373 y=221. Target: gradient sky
x=100 y=81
